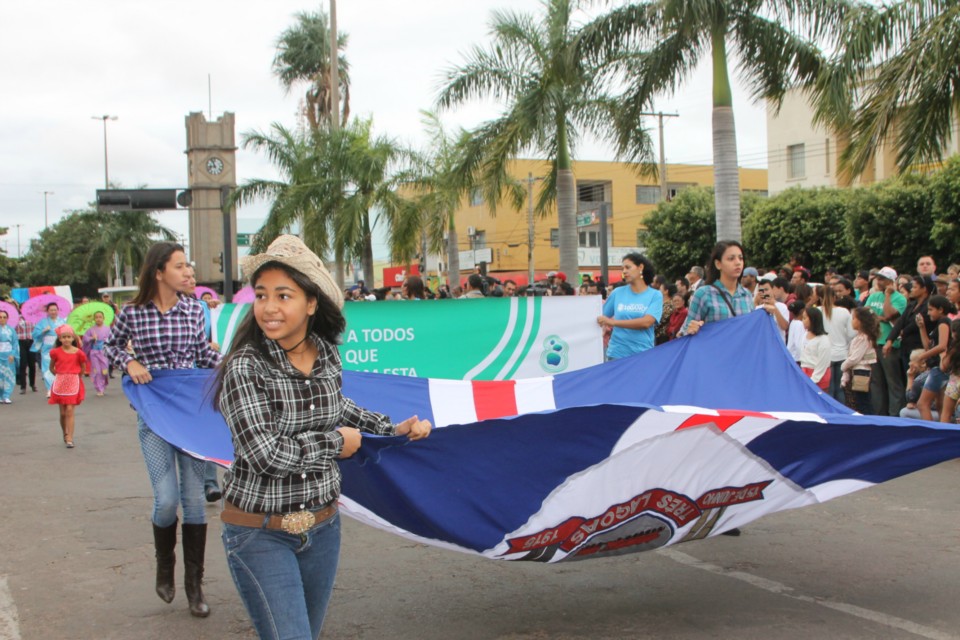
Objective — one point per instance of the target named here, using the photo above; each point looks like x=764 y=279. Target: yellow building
x=500 y=240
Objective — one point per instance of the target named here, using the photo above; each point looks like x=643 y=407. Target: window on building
x=590 y=236
x=476 y=198
x=796 y=161
x=480 y=240
x=763 y=193
x=826 y=150
x=674 y=188
x=590 y=192
x=647 y=194
x=555 y=238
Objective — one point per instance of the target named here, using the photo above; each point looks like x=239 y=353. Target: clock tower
x=211 y=167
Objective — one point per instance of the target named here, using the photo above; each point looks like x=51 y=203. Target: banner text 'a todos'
x=478 y=339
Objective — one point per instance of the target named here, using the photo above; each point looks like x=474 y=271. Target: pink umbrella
x=35 y=309
x=13 y=316
x=244 y=296
x=202 y=290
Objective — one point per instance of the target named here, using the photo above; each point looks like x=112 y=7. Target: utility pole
x=334 y=71
x=660 y=115
x=45 y=219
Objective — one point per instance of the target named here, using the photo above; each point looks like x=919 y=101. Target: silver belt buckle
x=298 y=522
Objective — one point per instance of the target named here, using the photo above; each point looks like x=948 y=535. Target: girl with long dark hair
x=165 y=328
x=815 y=359
x=861 y=357
x=632 y=311
x=279 y=389
x=722 y=296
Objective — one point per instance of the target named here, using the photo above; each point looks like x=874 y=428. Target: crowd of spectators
x=875 y=340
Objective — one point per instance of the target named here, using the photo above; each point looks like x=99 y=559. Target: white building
x=800 y=153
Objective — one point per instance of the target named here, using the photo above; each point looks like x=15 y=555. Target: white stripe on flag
x=64 y=291
x=452 y=402
x=535 y=394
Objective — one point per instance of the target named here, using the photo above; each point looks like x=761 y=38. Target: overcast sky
x=148 y=63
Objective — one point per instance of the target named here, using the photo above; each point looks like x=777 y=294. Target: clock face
x=214 y=166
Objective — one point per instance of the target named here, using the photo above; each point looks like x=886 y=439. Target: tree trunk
x=340 y=273
x=566 y=205
x=726 y=174
x=453 y=257
x=367 y=258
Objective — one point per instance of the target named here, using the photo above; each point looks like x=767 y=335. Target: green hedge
x=889 y=223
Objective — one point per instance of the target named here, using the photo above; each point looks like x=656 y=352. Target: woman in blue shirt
x=632 y=310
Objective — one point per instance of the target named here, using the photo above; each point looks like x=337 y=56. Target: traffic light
x=142 y=199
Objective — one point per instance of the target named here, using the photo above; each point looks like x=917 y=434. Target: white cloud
x=148 y=63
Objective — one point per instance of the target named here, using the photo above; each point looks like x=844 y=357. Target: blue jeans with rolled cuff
x=285 y=580
x=169 y=491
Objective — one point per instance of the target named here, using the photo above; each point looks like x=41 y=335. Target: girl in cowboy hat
x=279 y=391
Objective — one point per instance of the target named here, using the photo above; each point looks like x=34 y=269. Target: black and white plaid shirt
x=174 y=339
x=282 y=422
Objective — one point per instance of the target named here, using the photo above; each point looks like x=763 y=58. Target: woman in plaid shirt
x=279 y=390
x=165 y=328
x=722 y=296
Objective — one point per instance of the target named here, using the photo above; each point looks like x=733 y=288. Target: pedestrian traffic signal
x=142 y=199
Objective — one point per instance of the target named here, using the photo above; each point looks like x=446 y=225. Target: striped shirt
x=171 y=340
x=283 y=427
x=709 y=304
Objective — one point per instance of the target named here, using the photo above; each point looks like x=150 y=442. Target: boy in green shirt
x=886 y=380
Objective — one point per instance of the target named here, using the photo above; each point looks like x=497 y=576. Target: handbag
x=861 y=381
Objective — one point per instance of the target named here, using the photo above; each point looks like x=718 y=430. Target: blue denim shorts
x=936 y=380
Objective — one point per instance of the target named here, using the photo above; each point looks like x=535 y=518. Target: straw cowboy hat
x=291 y=251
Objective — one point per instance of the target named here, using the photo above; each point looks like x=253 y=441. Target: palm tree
x=659 y=44
x=436 y=184
x=902 y=66
x=368 y=172
x=300 y=194
x=303 y=55
x=535 y=66
x=333 y=184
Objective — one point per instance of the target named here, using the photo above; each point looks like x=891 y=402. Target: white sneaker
x=7 y=401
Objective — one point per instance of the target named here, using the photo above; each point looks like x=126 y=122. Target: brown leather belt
x=296 y=522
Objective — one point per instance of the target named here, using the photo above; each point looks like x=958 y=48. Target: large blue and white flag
x=685 y=441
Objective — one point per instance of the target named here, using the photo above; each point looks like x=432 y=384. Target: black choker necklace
x=294 y=346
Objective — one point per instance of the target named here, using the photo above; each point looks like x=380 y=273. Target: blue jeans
x=210 y=477
x=285 y=580
x=162 y=460
x=936 y=380
x=836 y=375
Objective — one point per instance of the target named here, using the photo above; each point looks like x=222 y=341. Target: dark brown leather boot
x=194 y=544
x=165 y=543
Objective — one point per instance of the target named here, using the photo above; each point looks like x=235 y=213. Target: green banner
x=478 y=339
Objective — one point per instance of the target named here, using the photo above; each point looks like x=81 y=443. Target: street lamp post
x=45 y=219
x=19 y=255
x=106 y=167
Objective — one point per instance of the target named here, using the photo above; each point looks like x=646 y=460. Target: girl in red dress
x=67 y=362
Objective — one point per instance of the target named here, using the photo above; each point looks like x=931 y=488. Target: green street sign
x=586 y=219
x=244 y=239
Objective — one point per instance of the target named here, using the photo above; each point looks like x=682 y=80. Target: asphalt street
x=76 y=562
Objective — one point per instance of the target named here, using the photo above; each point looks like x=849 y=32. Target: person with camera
x=766 y=301
x=474 y=288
